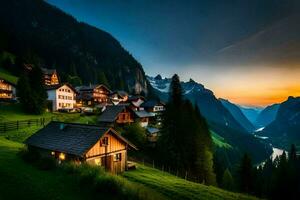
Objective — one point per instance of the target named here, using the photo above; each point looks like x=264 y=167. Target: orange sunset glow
x=260 y=86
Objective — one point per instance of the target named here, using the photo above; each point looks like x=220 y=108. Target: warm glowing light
x=52 y=153
x=251 y=86
x=62 y=156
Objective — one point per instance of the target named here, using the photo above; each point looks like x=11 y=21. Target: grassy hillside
x=177 y=188
x=22 y=181
x=32 y=183
x=56 y=184
x=219 y=141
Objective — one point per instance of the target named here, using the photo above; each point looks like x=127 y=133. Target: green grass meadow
x=20 y=180
x=178 y=188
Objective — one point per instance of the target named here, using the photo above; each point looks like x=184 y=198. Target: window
x=117 y=157
x=104 y=141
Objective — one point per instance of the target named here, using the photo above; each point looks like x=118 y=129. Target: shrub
x=46 y=163
x=30 y=156
x=135 y=134
x=96 y=178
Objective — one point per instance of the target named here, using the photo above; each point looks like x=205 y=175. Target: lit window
x=62 y=156
x=104 y=141
x=117 y=157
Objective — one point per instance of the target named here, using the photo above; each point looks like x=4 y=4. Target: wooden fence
x=180 y=173
x=20 y=124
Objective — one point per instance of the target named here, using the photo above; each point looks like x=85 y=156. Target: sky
x=247 y=51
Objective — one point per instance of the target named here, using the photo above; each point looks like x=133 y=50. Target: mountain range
x=280 y=122
x=36 y=29
x=285 y=128
x=229 y=123
x=211 y=108
x=238 y=115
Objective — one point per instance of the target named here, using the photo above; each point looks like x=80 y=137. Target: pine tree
x=102 y=78
x=185 y=142
x=245 y=174
x=176 y=91
x=227 y=181
x=293 y=154
x=31 y=92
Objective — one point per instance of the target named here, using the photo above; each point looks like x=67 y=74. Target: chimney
x=61 y=126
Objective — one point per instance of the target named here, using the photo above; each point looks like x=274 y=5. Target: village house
x=118 y=97
x=135 y=102
x=152 y=135
x=7 y=90
x=143 y=117
x=62 y=97
x=93 y=94
x=50 y=76
x=116 y=114
x=154 y=106
x=95 y=145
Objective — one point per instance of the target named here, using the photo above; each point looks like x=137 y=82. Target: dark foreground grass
x=177 y=188
x=20 y=180
x=99 y=181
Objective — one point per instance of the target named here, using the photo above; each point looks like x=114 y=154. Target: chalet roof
x=91 y=87
x=143 y=113
x=135 y=97
x=55 y=87
x=151 y=103
x=110 y=114
x=152 y=130
x=75 y=139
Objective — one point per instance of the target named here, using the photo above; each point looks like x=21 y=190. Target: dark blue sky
x=202 y=39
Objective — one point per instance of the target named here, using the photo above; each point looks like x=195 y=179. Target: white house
x=62 y=96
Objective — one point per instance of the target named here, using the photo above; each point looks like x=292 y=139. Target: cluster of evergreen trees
x=278 y=179
x=30 y=86
x=185 y=142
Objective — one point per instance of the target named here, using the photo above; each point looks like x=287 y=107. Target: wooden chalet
x=117 y=114
x=118 y=97
x=153 y=106
x=152 y=135
x=156 y=108
x=7 y=90
x=143 y=117
x=95 y=145
x=50 y=76
x=135 y=102
x=93 y=94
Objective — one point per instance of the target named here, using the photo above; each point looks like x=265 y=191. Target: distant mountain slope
x=266 y=116
x=219 y=119
x=238 y=115
x=58 y=40
x=251 y=113
x=211 y=108
x=285 y=129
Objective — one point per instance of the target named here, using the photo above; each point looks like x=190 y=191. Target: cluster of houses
x=101 y=144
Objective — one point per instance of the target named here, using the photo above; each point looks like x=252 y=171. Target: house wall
x=125 y=117
x=144 y=122
x=7 y=91
x=158 y=108
x=104 y=155
x=62 y=98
